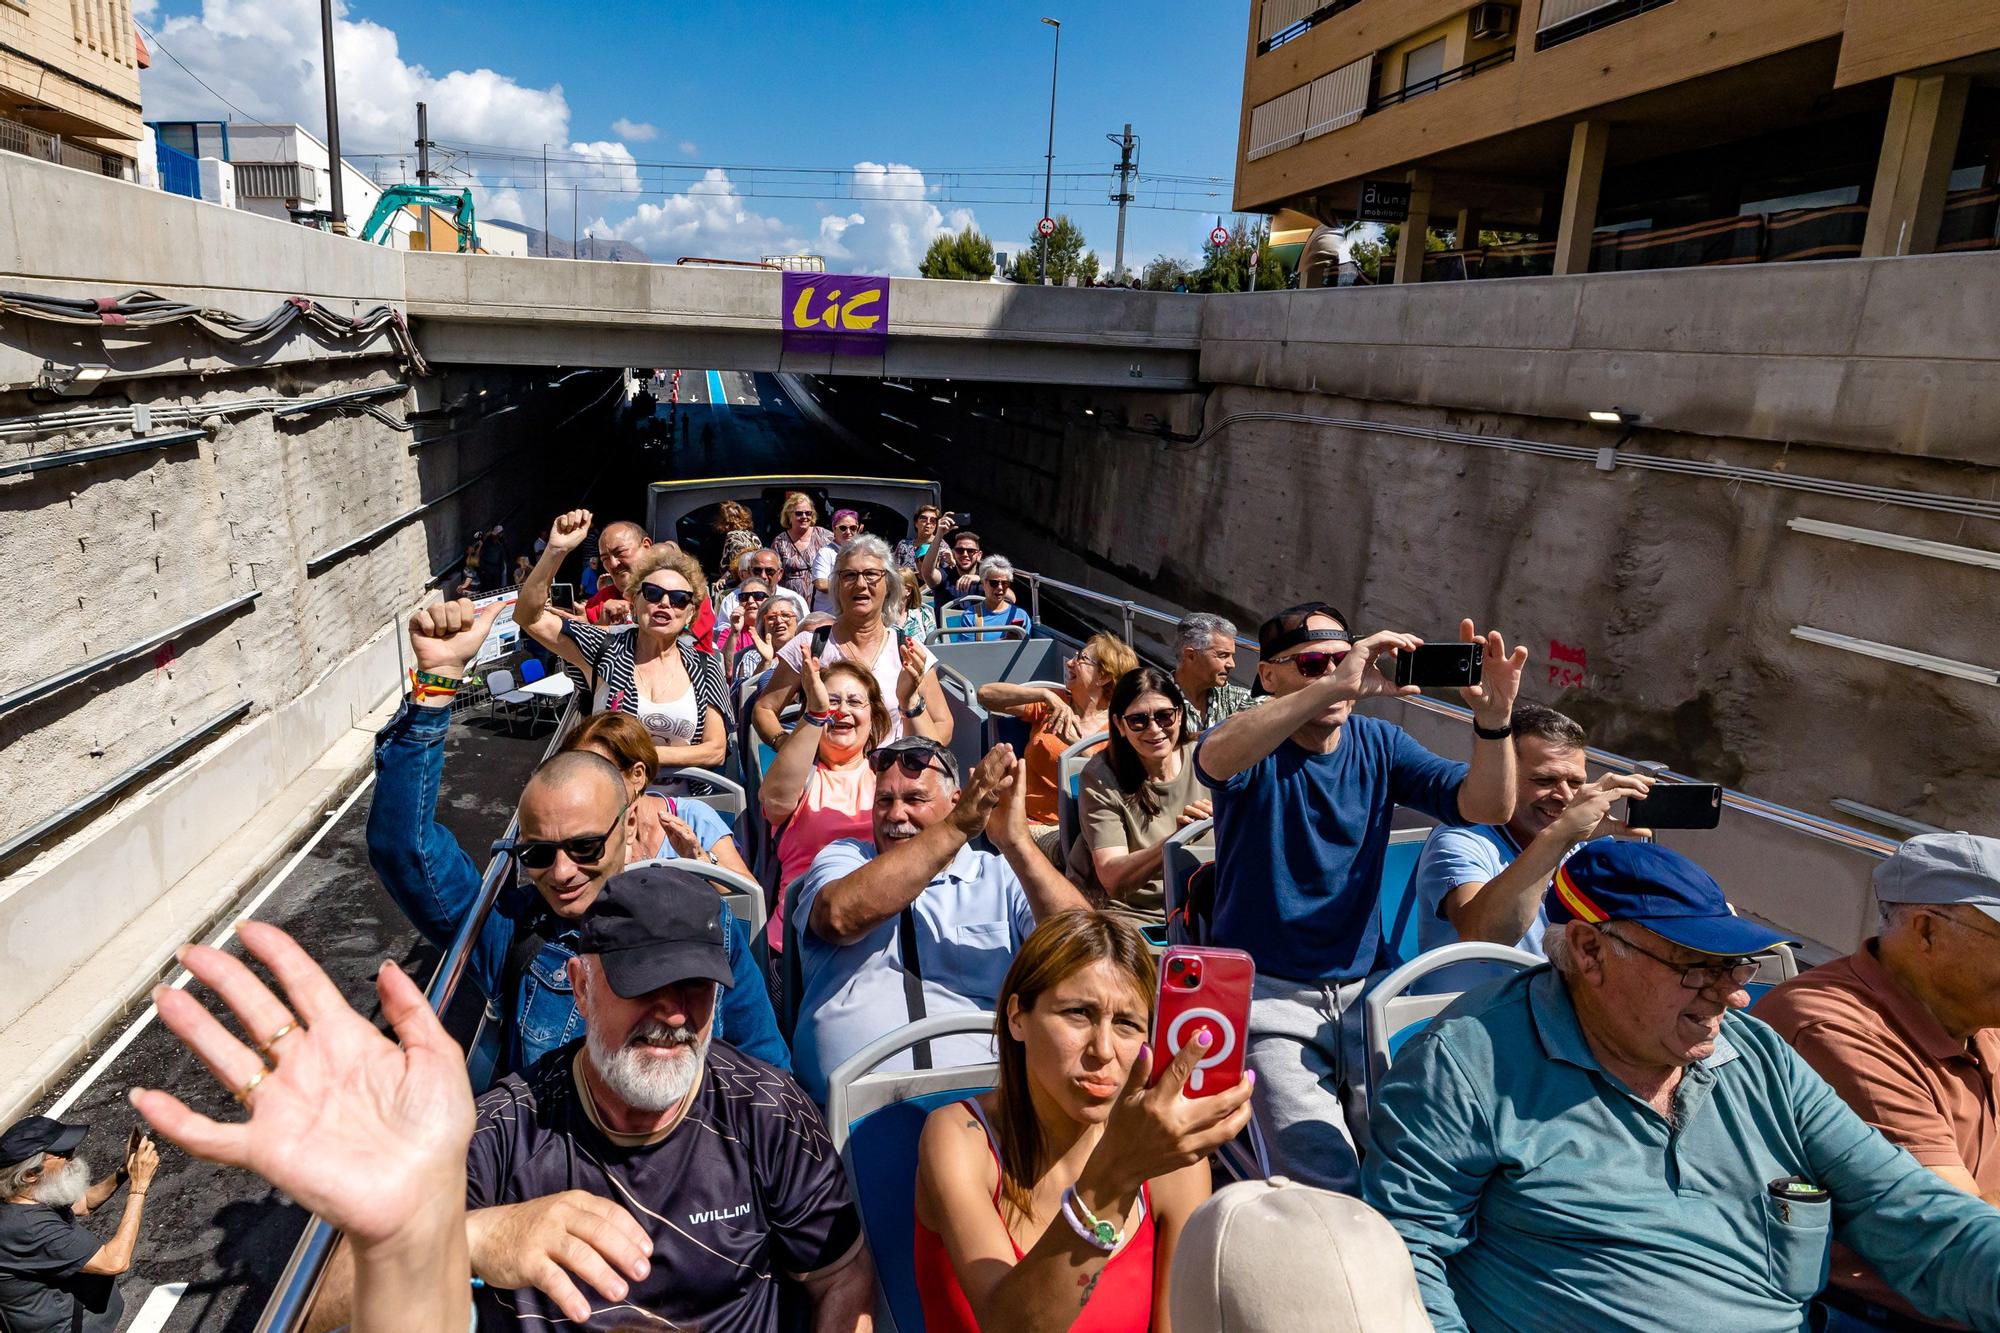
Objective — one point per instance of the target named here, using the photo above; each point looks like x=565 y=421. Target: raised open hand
x=364 y=1132
x=446 y=636
x=911 y=677
x=984 y=787
x=1492 y=700
x=1352 y=678
x=1155 y=1130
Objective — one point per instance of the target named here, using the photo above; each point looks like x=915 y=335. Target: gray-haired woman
x=868 y=598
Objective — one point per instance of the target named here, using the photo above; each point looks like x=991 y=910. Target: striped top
x=614 y=688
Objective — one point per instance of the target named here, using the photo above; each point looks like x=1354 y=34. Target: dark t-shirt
x=747 y=1186
x=41 y=1289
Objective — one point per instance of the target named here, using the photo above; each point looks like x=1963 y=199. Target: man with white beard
x=56 y=1276
x=649 y=1172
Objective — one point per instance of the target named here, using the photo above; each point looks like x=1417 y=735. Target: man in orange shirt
x=1907 y=1030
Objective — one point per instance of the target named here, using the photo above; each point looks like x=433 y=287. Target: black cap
x=38 y=1134
x=653 y=926
x=1288 y=629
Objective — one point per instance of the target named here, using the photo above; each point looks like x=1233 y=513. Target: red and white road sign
x=1220 y=236
x=1047 y=226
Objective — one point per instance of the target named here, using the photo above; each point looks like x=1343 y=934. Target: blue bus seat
x=1398 y=905
x=875 y=1119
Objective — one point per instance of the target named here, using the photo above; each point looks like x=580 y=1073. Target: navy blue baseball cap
x=1641 y=882
x=37 y=1134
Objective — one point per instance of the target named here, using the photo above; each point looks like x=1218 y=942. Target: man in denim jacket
x=573 y=799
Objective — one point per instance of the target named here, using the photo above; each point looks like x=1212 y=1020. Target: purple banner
x=836 y=314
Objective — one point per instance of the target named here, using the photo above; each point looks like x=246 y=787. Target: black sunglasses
x=540 y=853
x=912 y=762
x=677 y=598
x=1163 y=718
x=753 y=597
x=1314 y=665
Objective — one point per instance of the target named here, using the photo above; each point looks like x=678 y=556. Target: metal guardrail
x=31 y=142
x=299 y=1283
x=1492 y=60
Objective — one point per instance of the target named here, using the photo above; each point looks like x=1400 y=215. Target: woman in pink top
x=819 y=788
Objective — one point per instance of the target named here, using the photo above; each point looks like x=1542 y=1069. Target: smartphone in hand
x=1438 y=665
x=1677 y=805
x=1203 y=989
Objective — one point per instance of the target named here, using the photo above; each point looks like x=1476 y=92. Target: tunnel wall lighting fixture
x=1616 y=416
x=71 y=381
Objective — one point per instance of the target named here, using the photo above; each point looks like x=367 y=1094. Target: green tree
x=963 y=256
x=1166 y=274
x=1226 y=267
x=1067 y=255
x=1377 y=256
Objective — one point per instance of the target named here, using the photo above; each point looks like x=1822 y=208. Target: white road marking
x=182 y=977
x=159 y=1306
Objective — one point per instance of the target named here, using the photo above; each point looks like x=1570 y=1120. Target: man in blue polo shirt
x=1486 y=883
x=1303 y=796
x=1608 y=1142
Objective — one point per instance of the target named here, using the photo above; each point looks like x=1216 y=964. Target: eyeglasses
x=677 y=598
x=847 y=527
x=1314 y=665
x=1966 y=925
x=967 y=552
x=1163 y=718
x=999 y=585
x=1704 y=976
x=912 y=761
x=753 y=598
x=540 y=853
x=803 y=513
x=768 y=572
x=867 y=577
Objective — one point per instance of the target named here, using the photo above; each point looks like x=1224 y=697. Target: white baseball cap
x=1274 y=1256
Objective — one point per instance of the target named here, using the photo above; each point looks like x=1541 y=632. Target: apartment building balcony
x=31 y=142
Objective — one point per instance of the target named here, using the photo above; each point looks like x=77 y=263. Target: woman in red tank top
x=1010 y=1183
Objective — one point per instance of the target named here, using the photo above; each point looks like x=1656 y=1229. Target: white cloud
x=264 y=56
x=638 y=131
x=708 y=218
x=687 y=147
x=894 y=224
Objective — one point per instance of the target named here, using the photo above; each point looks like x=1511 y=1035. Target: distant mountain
x=622 y=252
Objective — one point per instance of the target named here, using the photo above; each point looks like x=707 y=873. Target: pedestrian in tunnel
x=575 y=825
x=1205 y=663
x=870 y=596
x=658 y=672
x=1303 y=794
x=56 y=1276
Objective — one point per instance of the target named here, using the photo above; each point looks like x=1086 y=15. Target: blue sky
x=953 y=91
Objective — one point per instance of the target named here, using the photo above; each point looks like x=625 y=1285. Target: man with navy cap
x=1907 y=1029
x=56 y=1276
x=650 y=1173
x=1607 y=1142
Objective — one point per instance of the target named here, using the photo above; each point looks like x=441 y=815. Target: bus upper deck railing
x=299 y=1283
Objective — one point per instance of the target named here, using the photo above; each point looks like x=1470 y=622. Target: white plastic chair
x=744 y=896
x=1393 y=1015
x=1069 y=774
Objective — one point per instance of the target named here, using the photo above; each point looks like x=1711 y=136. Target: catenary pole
x=1049 y=168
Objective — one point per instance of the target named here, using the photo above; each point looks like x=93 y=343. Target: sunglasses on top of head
x=540 y=853
x=677 y=598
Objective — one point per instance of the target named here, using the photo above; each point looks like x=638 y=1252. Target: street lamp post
x=335 y=201
x=1049 y=165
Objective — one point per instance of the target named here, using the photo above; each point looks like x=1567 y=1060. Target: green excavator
x=456 y=202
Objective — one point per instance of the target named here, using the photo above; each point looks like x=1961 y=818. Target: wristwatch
x=918 y=711
x=1500 y=733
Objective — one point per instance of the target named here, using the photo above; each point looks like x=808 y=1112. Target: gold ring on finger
x=242 y=1094
x=264 y=1046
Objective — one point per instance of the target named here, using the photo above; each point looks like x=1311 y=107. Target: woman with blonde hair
x=806 y=551
x=657 y=673
x=1056 y=1200
x=1058 y=718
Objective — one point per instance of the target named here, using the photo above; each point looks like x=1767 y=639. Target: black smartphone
x=562 y=594
x=1677 y=805
x=960 y=519
x=1436 y=665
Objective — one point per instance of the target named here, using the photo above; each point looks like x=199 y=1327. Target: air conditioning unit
x=1492 y=22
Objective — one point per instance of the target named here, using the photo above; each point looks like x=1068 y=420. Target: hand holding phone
x=1437 y=666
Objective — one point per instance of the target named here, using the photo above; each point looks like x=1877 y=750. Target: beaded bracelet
x=1098 y=1234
